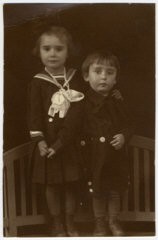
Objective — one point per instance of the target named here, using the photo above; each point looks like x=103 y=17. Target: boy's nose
x=103 y=75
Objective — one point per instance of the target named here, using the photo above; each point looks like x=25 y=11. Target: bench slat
x=147 y=180
x=11 y=199
x=34 y=204
x=136 y=179
x=23 y=187
x=6 y=224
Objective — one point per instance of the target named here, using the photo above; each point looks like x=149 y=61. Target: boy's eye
x=98 y=71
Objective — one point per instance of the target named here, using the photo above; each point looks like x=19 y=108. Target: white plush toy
x=61 y=101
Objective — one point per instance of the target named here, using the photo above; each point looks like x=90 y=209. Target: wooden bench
x=20 y=207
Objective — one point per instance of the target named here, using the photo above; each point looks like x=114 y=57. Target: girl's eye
x=110 y=72
x=59 y=49
x=46 y=49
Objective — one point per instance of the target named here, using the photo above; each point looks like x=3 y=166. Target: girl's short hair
x=100 y=57
x=60 y=32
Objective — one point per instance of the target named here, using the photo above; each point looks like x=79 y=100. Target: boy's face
x=101 y=77
x=53 y=52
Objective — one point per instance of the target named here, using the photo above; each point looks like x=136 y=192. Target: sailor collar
x=47 y=76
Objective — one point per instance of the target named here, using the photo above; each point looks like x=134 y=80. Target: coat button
x=102 y=139
x=90 y=190
x=83 y=143
x=89 y=183
x=50 y=119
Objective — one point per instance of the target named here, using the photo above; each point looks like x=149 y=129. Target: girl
x=55 y=118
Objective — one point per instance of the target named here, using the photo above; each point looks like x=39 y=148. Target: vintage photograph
x=79 y=120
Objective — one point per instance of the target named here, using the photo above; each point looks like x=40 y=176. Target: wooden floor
x=128 y=234
x=133 y=229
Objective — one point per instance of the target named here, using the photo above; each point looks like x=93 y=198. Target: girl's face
x=101 y=77
x=53 y=52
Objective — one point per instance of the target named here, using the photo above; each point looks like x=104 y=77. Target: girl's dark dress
x=59 y=133
x=105 y=117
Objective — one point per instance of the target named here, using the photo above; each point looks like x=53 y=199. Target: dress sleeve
x=35 y=113
x=71 y=126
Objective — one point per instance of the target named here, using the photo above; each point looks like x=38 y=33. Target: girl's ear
x=115 y=82
x=86 y=78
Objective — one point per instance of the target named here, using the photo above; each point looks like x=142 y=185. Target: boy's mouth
x=103 y=84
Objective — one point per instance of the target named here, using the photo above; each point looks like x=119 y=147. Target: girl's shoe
x=71 y=230
x=101 y=227
x=116 y=228
x=58 y=228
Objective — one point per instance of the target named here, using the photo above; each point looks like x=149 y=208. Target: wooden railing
x=21 y=202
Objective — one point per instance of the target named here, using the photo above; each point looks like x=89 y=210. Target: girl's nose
x=52 y=52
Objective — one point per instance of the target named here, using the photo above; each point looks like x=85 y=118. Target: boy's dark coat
x=106 y=167
x=61 y=134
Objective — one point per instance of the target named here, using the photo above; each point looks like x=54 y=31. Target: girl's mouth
x=53 y=61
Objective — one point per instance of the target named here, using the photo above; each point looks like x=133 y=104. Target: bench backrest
x=21 y=207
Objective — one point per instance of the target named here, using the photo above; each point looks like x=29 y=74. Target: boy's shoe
x=58 y=228
x=116 y=228
x=70 y=226
x=101 y=227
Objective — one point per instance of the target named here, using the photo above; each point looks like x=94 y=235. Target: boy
x=107 y=130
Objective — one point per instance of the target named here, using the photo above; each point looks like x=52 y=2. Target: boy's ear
x=116 y=83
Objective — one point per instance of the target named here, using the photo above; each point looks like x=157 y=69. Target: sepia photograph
x=79 y=119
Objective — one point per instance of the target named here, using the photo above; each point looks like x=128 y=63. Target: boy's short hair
x=60 y=32
x=100 y=57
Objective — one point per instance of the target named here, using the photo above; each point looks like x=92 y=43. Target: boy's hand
x=51 y=152
x=43 y=148
x=116 y=93
x=118 y=141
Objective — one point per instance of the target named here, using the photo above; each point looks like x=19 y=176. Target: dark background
x=128 y=30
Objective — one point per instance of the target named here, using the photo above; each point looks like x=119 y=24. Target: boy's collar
x=96 y=97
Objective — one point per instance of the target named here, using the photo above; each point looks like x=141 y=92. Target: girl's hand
x=51 y=152
x=118 y=141
x=116 y=93
x=43 y=148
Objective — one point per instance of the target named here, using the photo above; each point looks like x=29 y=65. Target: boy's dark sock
x=114 y=212
x=100 y=207
x=115 y=227
x=101 y=217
